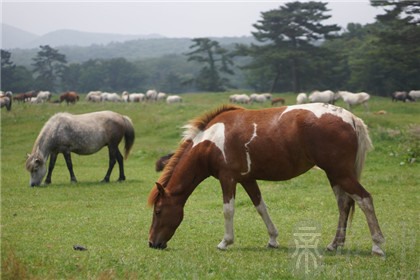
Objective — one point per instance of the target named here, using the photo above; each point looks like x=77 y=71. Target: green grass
x=39 y=226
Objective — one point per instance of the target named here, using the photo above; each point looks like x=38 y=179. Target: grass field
x=39 y=226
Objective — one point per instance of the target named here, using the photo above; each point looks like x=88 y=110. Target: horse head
x=167 y=216
x=36 y=166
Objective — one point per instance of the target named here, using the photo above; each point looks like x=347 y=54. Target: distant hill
x=134 y=50
x=65 y=37
x=13 y=37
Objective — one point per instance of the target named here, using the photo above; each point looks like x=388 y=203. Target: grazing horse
x=326 y=96
x=83 y=134
x=301 y=98
x=414 y=94
x=69 y=97
x=354 y=99
x=277 y=101
x=401 y=96
x=6 y=100
x=236 y=145
x=162 y=162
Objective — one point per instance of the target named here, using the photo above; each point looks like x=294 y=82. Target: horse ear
x=160 y=188
x=27 y=155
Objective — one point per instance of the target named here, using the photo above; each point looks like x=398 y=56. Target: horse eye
x=157 y=212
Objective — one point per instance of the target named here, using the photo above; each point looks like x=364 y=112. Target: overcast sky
x=168 y=18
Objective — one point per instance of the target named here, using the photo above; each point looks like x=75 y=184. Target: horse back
x=282 y=143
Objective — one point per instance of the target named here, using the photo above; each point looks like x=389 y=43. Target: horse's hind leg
x=365 y=202
x=345 y=205
x=120 y=161
x=112 y=160
x=254 y=193
x=114 y=156
x=67 y=157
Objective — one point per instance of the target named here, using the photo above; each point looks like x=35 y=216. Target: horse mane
x=191 y=129
x=198 y=124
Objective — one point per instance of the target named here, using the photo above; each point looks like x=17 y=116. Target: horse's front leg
x=229 y=192
x=67 y=157
x=53 y=158
x=254 y=193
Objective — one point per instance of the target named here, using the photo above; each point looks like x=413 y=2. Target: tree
x=288 y=38
x=216 y=61
x=14 y=78
x=49 y=66
x=398 y=45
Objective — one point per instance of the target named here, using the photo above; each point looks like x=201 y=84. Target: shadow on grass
x=91 y=184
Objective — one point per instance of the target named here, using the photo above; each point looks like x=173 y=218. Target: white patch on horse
x=248 y=157
x=319 y=109
x=215 y=134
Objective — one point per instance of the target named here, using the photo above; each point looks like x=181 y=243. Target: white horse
x=354 y=99
x=137 y=97
x=173 y=99
x=326 y=96
x=111 y=97
x=301 y=98
x=258 y=98
x=414 y=94
x=151 y=94
x=43 y=96
x=94 y=96
x=161 y=96
x=240 y=98
x=6 y=100
x=84 y=135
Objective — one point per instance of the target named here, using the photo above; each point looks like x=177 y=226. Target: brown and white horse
x=83 y=134
x=236 y=145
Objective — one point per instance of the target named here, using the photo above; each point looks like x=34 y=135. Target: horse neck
x=43 y=142
x=187 y=175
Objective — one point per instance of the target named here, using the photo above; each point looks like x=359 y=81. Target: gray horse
x=83 y=134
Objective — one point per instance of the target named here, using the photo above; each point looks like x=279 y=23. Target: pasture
x=40 y=226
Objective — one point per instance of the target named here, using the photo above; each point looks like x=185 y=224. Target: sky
x=170 y=18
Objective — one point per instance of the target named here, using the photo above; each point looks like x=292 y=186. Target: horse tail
x=129 y=136
x=364 y=146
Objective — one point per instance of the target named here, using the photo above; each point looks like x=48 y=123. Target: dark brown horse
x=236 y=145
x=69 y=97
x=162 y=162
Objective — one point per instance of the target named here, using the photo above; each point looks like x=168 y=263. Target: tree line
x=294 y=51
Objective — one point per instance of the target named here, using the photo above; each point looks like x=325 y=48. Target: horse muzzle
x=34 y=184
x=160 y=246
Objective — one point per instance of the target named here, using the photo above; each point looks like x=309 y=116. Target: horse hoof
x=331 y=247
x=272 y=246
x=377 y=251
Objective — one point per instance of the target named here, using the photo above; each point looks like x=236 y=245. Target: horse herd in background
x=71 y=97
x=327 y=96
x=150 y=95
